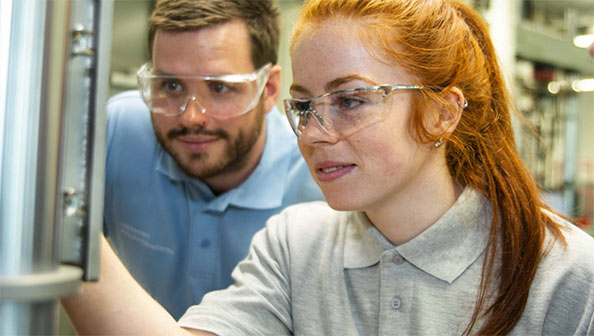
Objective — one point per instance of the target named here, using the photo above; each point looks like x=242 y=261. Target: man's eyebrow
x=333 y=84
x=160 y=73
x=173 y=74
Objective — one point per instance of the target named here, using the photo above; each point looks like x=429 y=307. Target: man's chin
x=197 y=166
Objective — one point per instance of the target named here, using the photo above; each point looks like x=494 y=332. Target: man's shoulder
x=279 y=127
x=130 y=134
x=283 y=166
x=125 y=97
x=127 y=104
x=128 y=116
x=281 y=139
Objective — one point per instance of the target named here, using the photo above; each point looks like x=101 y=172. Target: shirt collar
x=444 y=250
x=264 y=188
x=364 y=244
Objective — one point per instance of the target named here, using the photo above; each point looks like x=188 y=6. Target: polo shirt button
x=205 y=243
x=398 y=260
x=396 y=303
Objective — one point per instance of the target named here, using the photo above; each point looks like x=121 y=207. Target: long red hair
x=445 y=44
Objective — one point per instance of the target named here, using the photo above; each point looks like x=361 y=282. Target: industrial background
x=60 y=60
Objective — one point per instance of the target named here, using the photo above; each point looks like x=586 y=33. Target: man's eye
x=172 y=86
x=219 y=87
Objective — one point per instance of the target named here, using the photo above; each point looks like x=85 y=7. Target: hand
x=591 y=49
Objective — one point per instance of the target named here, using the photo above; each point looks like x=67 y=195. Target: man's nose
x=193 y=113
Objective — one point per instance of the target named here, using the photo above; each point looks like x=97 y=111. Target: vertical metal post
x=503 y=18
x=31 y=278
x=40 y=92
x=571 y=156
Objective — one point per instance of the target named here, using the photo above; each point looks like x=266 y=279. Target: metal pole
x=31 y=278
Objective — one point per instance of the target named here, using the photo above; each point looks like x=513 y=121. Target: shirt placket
x=396 y=295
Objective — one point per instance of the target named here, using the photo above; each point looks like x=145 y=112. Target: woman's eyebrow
x=333 y=84
x=298 y=88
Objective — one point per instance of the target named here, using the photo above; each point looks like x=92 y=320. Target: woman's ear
x=449 y=115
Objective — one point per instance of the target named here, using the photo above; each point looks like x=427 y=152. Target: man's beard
x=231 y=160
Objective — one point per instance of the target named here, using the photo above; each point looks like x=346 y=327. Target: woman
x=434 y=226
x=438 y=199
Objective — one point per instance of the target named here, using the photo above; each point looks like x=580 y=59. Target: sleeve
x=127 y=118
x=110 y=112
x=259 y=303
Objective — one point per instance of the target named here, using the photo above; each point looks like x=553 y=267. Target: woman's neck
x=407 y=214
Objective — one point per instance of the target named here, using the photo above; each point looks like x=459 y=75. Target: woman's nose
x=314 y=132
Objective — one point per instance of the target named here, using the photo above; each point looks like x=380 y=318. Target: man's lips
x=196 y=143
x=329 y=171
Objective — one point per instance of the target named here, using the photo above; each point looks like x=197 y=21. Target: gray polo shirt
x=316 y=271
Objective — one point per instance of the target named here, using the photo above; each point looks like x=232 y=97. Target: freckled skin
x=391 y=176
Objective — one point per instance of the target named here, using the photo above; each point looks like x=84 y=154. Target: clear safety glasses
x=221 y=97
x=342 y=113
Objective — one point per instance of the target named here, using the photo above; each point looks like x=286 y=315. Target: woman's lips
x=330 y=171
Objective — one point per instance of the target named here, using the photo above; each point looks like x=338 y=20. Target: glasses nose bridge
x=191 y=98
x=311 y=111
x=320 y=121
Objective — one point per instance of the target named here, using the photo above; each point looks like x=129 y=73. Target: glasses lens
x=352 y=110
x=296 y=111
x=221 y=97
x=344 y=112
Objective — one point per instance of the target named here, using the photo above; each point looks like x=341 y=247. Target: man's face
x=204 y=146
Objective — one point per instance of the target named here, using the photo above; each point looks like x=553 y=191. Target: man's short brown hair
x=261 y=18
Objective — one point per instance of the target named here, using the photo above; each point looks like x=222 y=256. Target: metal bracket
x=82 y=41
x=74 y=203
x=63 y=282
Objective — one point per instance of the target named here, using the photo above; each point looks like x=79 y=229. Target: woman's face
x=380 y=164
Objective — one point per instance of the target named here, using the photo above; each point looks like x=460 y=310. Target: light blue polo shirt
x=175 y=236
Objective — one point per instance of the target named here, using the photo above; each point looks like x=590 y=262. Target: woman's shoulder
x=561 y=292
x=314 y=222
x=312 y=215
x=571 y=254
x=578 y=243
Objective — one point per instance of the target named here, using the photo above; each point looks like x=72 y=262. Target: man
x=190 y=182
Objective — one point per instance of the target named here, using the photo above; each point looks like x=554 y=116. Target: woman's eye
x=302 y=106
x=348 y=102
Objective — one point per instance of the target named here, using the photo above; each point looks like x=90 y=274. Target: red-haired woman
x=433 y=225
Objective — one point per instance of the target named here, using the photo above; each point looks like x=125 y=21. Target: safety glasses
x=221 y=97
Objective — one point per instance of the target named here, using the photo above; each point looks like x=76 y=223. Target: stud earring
x=465 y=105
x=438 y=143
